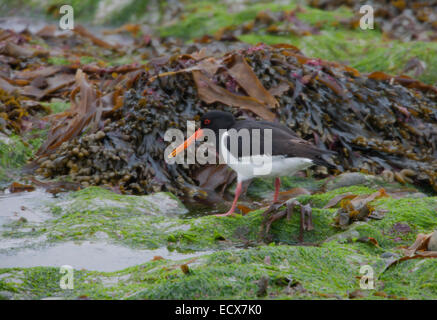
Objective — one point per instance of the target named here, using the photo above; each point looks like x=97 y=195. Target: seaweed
x=375 y=122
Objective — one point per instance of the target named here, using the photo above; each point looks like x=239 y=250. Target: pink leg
x=234 y=203
x=277 y=186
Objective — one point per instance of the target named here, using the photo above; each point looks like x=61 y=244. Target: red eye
x=207 y=121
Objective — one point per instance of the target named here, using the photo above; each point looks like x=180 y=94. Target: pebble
x=100 y=135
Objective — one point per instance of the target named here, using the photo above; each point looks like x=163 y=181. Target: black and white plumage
x=287 y=154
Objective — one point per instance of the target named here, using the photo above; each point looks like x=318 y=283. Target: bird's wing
x=284 y=142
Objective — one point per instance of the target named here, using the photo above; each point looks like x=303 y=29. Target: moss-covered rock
x=330 y=268
x=329 y=271
x=141 y=221
x=15 y=150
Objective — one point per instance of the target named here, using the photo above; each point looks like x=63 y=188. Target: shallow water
x=99 y=256
x=29 y=205
x=91 y=255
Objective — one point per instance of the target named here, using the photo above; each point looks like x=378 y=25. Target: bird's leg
x=234 y=203
x=277 y=186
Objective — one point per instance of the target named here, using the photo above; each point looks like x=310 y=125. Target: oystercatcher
x=288 y=153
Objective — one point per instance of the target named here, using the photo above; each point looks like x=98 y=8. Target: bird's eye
x=206 y=121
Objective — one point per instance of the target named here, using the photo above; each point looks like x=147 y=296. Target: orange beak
x=183 y=146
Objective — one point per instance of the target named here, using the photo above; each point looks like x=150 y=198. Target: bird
x=286 y=155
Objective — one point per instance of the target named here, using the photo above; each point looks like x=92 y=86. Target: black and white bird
x=287 y=154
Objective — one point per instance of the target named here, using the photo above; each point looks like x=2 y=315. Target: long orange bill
x=183 y=146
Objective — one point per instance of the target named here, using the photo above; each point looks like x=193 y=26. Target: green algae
x=207 y=17
x=84 y=10
x=58 y=61
x=132 y=11
x=365 y=50
x=211 y=231
x=132 y=220
x=15 y=150
x=221 y=275
x=415 y=279
x=139 y=221
x=57 y=106
x=319 y=200
x=259 y=188
x=327 y=270
x=419 y=214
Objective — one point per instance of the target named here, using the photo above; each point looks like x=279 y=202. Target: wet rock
x=432 y=244
x=244 y=267
x=93 y=198
x=348 y=179
x=35 y=203
x=97 y=256
x=167 y=203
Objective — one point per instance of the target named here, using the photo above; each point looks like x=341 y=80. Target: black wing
x=285 y=142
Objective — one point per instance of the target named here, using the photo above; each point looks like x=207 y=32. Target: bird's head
x=213 y=120
x=216 y=120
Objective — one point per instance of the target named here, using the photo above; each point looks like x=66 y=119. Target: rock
x=166 y=203
x=96 y=198
x=101 y=235
x=432 y=244
x=418 y=195
x=348 y=179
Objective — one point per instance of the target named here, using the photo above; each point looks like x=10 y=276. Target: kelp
x=356 y=207
x=376 y=123
x=27 y=79
x=16 y=112
x=420 y=249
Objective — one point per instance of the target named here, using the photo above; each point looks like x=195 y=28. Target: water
x=98 y=256
x=31 y=206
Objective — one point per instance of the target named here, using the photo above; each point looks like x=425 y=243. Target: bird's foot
x=227 y=214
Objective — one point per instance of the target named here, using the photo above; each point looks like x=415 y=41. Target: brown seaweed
x=375 y=122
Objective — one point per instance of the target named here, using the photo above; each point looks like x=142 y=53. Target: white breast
x=262 y=165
